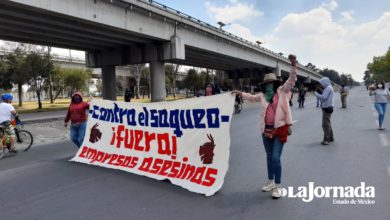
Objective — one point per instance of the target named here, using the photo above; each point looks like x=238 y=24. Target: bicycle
x=23 y=139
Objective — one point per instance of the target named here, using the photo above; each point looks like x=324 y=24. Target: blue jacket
x=326 y=97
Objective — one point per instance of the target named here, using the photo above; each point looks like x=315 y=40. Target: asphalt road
x=42 y=116
x=42 y=184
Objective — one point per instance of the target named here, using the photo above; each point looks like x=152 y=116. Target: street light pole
x=221 y=24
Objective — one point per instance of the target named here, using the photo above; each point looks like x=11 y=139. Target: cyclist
x=7 y=111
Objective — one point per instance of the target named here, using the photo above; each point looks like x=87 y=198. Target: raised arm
x=290 y=83
x=247 y=96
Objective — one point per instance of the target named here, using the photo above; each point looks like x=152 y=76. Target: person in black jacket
x=128 y=95
x=301 y=97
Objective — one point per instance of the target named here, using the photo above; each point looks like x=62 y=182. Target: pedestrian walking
x=128 y=95
x=301 y=97
x=343 y=96
x=275 y=122
x=325 y=94
x=77 y=115
x=380 y=94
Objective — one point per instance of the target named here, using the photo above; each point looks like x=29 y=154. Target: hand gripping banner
x=185 y=141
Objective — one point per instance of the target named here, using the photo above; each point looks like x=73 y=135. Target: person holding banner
x=275 y=122
x=77 y=115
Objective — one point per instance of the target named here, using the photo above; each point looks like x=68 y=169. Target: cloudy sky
x=343 y=35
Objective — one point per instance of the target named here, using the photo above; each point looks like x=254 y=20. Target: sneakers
x=270 y=185
x=277 y=191
x=13 y=151
x=324 y=143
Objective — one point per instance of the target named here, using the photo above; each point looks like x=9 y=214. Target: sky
x=343 y=35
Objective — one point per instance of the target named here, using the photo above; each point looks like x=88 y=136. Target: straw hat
x=269 y=77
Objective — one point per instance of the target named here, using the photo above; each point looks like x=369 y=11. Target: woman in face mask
x=380 y=94
x=77 y=115
x=275 y=122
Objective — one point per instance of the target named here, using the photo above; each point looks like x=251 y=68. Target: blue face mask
x=76 y=99
x=269 y=92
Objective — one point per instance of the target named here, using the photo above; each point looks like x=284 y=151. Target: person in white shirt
x=381 y=95
x=7 y=111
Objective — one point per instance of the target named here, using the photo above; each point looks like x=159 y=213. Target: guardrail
x=204 y=24
x=214 y=28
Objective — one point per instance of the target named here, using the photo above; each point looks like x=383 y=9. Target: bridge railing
x=219 y=30
x=207 y=25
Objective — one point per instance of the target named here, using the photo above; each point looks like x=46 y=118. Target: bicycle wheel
x=2 y=153
x=24 y=140
x=239 y=108
x=2 y=150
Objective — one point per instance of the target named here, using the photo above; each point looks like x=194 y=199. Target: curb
x=40 y=120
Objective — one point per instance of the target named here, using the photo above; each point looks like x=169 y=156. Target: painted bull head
x=206 y=151
x=95 y=135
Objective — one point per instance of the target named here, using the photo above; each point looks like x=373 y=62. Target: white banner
x=185 y=141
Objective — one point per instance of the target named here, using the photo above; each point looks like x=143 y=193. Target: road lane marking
x=383 y=139
x=388 y=170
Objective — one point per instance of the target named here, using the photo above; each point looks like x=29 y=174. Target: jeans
x=381 y=108
x=77 y=133
x=273 y=148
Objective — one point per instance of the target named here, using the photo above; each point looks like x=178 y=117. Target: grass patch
x=63 y=104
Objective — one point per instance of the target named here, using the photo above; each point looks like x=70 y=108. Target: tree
x=123 y=82
x=5 y=77
x=176 y=68
x=99 y=86
x=367 y=78
x=38 y=67
x=192 y=81
x=380 y=67
x=333 y=75
x=145 y=80
x=57 y=82
x=136 y=70
x=16 y=72
x=169 y=78
x=76 y=80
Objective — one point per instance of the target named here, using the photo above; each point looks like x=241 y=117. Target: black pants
x=301 y=102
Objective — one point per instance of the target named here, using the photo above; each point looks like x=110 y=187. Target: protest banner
x=185 y=141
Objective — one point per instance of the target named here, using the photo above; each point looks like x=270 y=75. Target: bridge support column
x=236 y=81
x=157 y=81
x=109 y=83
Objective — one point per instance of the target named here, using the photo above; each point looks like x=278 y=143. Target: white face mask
x=380 y=86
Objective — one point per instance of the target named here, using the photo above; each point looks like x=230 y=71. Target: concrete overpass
x=123 y=32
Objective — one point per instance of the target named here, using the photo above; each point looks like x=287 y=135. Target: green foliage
x=5 y=77
x=333 y=75
x=76 y=79
x=379 y=68
x=145 y=76
x=37 y=68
